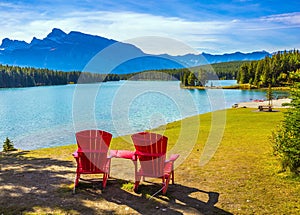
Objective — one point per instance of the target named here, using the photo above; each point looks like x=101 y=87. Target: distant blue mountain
x=73 y=51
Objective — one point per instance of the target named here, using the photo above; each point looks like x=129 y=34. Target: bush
x=286 y=140
x=8 y=145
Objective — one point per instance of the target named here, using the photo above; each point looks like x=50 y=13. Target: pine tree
x=8 y=145
x=191 y=79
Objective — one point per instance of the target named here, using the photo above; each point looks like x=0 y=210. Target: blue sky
x=216 y=26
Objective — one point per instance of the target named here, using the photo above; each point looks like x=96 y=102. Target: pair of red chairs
x=149 y=157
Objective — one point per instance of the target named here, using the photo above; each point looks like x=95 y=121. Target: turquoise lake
x=40 y=117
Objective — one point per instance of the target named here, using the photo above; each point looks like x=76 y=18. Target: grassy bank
x=241 y=178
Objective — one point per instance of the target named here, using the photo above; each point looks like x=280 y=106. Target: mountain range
x=78 y=51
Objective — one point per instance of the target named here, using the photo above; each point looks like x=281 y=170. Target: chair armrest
x=172 y=158
x=75 y=154
x=169 y=164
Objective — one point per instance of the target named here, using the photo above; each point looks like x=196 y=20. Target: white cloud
x=9 y=6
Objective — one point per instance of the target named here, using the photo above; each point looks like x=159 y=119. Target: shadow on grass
x=183 y=195
x=177 y=201
x=44 y=185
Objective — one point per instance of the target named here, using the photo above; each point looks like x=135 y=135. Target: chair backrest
x=92 y=149
x=151 y=151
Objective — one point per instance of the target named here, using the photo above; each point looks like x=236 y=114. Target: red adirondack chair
x=91 y=155
x=150 y=159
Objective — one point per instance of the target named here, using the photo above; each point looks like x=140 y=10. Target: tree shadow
x=37 y=185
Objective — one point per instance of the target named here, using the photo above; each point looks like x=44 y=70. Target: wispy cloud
x=286 y=18
x=213 y=34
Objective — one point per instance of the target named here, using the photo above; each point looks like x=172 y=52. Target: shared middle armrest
x=122 y=154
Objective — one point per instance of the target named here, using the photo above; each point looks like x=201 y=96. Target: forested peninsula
x=15 y=76
x=282 y=69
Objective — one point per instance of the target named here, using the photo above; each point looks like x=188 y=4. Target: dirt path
x=254 y=104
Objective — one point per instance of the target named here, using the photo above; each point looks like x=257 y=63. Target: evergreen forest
x=281 y=69
x=15 y=76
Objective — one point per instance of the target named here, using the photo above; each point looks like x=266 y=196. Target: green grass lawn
x=241 y=178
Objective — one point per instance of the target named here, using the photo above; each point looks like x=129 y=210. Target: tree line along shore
x=16 y=76
x=280 y=70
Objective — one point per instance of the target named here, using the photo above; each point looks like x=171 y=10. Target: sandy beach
x=254 y=104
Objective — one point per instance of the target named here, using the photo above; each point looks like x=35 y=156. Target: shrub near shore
x=287 y=139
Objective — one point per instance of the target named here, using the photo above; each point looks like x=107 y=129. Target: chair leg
x=137 y=177
x=137 y=182
x=136 y=185
x=166 y=184
x=172 y=176
x=105 y=176
x=77 y=177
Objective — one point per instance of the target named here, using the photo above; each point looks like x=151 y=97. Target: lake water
x=40 y=117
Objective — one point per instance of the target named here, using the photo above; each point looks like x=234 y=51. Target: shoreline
x=276 y=103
